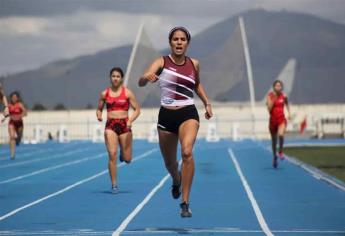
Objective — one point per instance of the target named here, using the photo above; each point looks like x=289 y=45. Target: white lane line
x=301 y=144
x=250 y=194
x=141 y=205
x=130 y=217
x=13 y=212
x=41 y=150
x=225 y=231
x=33 y=153
x=52 y=157
x=154 y=231
x=316 y=173
x=22 y=149
x=52 y=168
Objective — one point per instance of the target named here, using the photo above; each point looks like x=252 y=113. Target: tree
x=60 y=107
x=38 y=107
x=89 y=106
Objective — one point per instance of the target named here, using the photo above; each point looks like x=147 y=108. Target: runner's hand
x=3 y=119
x=289 y=117
x=6 y=112
x=151 y=77
x=208 y=113
x=99 y=116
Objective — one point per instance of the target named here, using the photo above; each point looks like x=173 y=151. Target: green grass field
x=331 y=160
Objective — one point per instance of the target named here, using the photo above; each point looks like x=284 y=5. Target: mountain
x=318 y=46
x=74 y=83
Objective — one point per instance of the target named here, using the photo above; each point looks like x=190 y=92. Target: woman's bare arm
x=135 y=106
x=101 y=102
x=269 y=103
x=25 y=112
x=150 y=73
x=200 y=91
x=288 y=107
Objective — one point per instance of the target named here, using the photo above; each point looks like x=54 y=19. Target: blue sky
x=35 y=32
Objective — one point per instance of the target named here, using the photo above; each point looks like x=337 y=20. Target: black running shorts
x=170 y=120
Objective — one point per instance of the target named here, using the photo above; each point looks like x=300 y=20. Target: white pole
x=249 y=70
x=134 y=50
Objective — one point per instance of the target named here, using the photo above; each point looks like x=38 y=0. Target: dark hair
x=278 y=81
x=183 y=29
x=118 y=69
x=17 y=94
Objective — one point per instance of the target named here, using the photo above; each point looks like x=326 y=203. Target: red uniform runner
x=277 y=116
x=120 y=103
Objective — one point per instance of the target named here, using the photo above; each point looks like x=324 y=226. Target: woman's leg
x=126 y=141
x=274 y=143
x=274 y=148
x=168 y=147
x=188 y=131
x=111 y=141
x=12 y=135
x=281 y=134
x=19 y=135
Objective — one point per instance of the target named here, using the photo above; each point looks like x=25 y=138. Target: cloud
x=35 y=32
x=22 y=26
x=29 y=42
x=331 y=9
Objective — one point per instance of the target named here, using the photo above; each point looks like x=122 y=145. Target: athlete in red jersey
x=15 y=125
x=276 y=101
x=178 y=119
x=118 y=99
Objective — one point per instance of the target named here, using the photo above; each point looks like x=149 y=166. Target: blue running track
x=64 y=189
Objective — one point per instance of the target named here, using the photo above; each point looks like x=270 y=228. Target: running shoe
x=275 y=162
x=114 y=189
x=185 y=211
x=281 y=156
x=176 y=189
x=12 y=158
x=18 y=139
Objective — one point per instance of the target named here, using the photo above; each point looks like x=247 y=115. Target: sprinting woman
x=17 y=111
x=178 y=119
x=118 y=99
x=276 y=101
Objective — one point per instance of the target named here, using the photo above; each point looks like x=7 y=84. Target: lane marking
x=250 y=195
x=15 y=211
x=140 y=206
x=155 y=231
x=56 y=156
x=41 y=150
x=316 y=144
x=53 y=168
x=26 y=154
x=316 y=173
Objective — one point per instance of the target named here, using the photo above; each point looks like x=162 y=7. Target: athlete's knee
x=187 y=154
x=186 y=151
x=112 y=154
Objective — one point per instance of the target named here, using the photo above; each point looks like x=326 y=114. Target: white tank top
x=177 y=83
